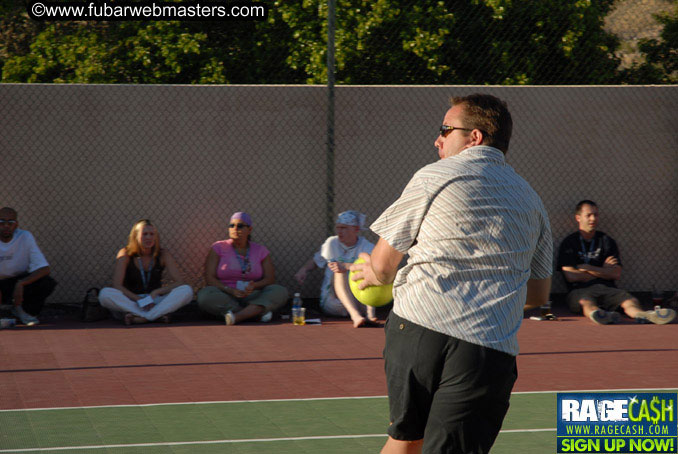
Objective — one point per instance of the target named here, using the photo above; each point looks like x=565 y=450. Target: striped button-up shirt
x=475 y=232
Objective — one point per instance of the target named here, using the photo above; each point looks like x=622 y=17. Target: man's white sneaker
x=26 y=318
x=658 y=316
x=267 y=317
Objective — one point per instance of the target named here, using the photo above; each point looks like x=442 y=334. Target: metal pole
x=330 y=117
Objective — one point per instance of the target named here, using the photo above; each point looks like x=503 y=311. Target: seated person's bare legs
x=354 y=307
x=588 y=306
x=631 y=307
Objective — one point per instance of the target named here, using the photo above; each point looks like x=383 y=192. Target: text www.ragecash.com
x=109 y=11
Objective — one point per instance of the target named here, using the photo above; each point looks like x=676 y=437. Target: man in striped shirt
x=480 y=251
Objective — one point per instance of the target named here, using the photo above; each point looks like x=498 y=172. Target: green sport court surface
x=329 y=425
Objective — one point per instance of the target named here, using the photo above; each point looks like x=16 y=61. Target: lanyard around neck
x=587 y=255
x=244 y=263
x=145 y=274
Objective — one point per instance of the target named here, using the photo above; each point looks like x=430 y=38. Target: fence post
x=330 y=118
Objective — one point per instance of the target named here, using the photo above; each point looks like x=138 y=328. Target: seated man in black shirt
x=590 y=263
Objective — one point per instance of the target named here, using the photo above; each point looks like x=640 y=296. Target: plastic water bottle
x=296 y=301
x=298 y=317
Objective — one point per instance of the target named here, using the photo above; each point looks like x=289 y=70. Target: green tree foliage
x=116 y=52
x=661 y=55
x=377 y=42
x=16 y=33
x=169 y=52
x=552 y=42
x=129 y=52
x=455 y=41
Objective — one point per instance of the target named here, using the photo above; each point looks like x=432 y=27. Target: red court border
x=65 y=363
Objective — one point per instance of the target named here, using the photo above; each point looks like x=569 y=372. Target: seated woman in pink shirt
x=240 y=277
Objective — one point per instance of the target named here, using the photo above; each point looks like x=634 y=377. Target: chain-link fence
x=570 y=143
x=81 y=163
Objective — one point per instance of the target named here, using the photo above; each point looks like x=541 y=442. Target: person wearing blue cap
x=336 y=254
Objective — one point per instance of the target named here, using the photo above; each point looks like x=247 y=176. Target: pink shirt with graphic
x=230 y=269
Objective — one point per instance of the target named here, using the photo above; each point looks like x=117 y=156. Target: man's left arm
x=538 y=292
x=541 y=266
x=21 y=283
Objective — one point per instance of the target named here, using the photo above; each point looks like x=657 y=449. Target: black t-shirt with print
x=574 y=250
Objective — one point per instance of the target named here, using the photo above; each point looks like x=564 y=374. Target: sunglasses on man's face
x=237 y=226
x=445 y=130
x=7 y=221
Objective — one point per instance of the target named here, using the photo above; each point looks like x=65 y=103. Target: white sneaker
x=658 y=316
x=267 y=317
x=26 y=318
x=229 y=318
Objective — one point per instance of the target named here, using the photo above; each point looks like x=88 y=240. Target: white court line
x=199 y=403
x=316 y=399
x=215 y=442
x=596 y=390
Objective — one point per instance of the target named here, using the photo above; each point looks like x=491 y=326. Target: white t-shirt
x=334 y=250
x=20 y=255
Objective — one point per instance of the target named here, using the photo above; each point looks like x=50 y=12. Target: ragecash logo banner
x=617 y=422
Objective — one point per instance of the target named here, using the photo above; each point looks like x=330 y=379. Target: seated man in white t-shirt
x=335 y=255
x=25 y=283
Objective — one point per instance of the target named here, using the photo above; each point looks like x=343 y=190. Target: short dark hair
x=490 y=115
x=9 y=210
x=581 y=204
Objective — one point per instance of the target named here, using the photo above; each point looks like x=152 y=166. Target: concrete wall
x=81 y=163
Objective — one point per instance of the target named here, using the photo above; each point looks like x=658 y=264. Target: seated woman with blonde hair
x=240 y=277
x=137 y=290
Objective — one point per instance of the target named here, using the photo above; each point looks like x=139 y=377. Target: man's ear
x=477 y=137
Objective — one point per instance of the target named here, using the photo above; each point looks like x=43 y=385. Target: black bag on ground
x=91 y=310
